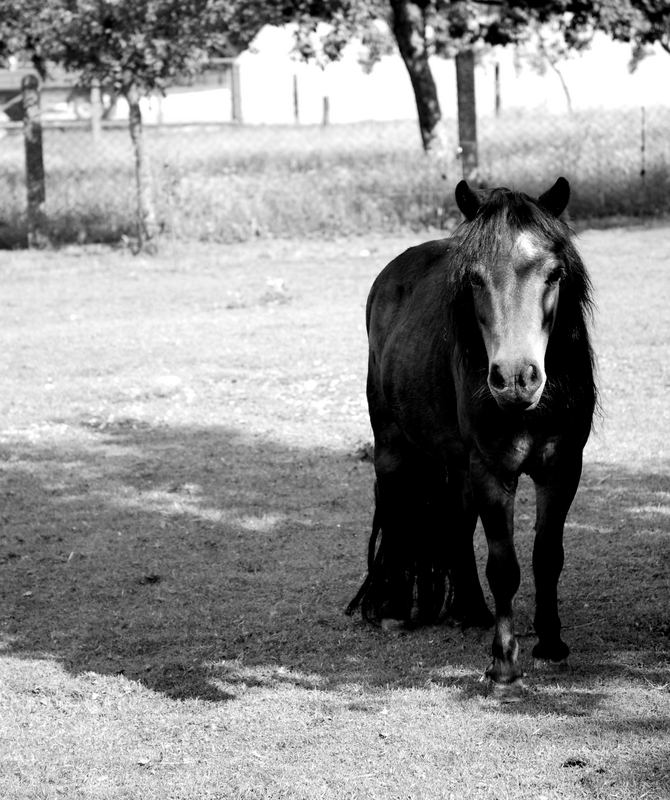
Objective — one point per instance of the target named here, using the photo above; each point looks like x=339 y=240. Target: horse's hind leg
x=407 y=575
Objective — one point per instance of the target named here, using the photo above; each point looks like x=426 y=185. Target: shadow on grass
x=201 y=562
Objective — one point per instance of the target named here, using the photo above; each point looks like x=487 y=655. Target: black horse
x=480 y=369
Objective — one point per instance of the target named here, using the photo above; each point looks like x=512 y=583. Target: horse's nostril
x=527 y=377
x=515 y=380
x=496 y=378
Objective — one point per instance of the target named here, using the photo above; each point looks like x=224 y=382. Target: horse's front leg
x=555 y=491
x=468 y=605
x=494 y=497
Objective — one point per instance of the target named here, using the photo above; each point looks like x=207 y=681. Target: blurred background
x=269 y=144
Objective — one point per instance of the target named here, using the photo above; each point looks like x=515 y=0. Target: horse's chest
x=517 y=452
x=525 y=453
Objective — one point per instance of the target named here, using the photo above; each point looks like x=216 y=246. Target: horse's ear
x=555 y=200
x=467 y=200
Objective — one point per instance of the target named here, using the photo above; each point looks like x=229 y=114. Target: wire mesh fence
x=232 y=181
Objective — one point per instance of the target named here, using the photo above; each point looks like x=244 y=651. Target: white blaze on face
x=512 y=315
x=526 y=246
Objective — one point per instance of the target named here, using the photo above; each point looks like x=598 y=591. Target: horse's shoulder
x=413 y=274
x=413 y=266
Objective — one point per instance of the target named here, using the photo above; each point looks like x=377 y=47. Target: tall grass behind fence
x=618 y=161
x=234 y=182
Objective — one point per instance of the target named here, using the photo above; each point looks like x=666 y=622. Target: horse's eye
x=554 y=276
x=476 y=280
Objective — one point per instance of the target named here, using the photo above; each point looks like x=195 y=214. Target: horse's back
x=414 y=271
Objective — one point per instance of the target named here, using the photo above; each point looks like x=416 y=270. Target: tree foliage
x=132 y=47
x=423 y=28
x=108 y=40
x=640 y=22
x=448 y=26
x=158 y=40
x=451 y=26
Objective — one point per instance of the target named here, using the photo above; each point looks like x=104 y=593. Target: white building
x=599 y=77
x=273 y=82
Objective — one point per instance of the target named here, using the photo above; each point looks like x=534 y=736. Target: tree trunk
x=409 y=29
x=564 y=85
x=147 y=227
x=32 y=135
x=467 y=113
x=545 y=53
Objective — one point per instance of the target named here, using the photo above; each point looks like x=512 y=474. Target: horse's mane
x=502 y=216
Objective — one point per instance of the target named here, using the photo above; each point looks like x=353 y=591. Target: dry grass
x=185 y=515
x=236 y=183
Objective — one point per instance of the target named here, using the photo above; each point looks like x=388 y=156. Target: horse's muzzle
x=516 y=386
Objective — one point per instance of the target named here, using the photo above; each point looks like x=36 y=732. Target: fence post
x=32 y=135
x=96 y=110
x=236 y=93
x=467 y=114
x=296 y=101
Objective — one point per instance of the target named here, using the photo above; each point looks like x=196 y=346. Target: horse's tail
x=407 y=580
x=372 y=549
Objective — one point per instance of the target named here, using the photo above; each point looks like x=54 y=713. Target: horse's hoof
x=393 y=625
x=505 y=683
x=555 y=651
x=547 y=665
x=512 y=692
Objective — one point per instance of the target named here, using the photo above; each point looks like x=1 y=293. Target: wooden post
x=643 y=143
x=496 y=79
x=236 y=93
x=32 y=136
x=467 y=113
x=296 y=101
x=96 y=111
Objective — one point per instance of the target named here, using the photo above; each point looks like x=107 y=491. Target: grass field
x=236 y=183
x=185 y=514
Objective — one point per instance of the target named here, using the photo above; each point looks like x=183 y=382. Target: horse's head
x=514 y=268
